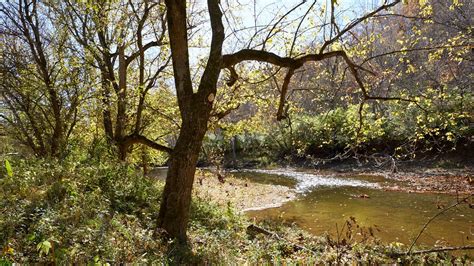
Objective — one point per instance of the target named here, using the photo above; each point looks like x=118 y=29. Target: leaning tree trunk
x=175 y=205
x=195 y=108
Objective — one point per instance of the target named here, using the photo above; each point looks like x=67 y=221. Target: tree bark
x=121 y=104
x=174 y=210
x=106 y=114
x=176 y=202
x=195 y=109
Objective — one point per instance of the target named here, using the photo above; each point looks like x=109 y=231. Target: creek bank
x=241 y=194
x=411 y=178
x=450 y=173
x=246 y=194
x=425 y=180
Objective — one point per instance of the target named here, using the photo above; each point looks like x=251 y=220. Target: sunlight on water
x=307 y=181
x=325 y=202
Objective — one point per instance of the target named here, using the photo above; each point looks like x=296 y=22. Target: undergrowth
x=73 y=212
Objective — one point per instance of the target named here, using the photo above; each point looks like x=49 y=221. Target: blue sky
x=240 y=16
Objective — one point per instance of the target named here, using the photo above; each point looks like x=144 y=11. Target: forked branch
x=292 y=64
x=230 y=60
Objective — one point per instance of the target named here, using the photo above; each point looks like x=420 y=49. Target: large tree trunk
x=121 y=105
x=195 y=109
x=174 y=210
x=57 y=140
x=106 y=113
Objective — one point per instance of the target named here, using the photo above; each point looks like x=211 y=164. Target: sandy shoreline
x=244 y=195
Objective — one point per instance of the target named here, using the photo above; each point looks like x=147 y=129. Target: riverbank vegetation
x=94 y=95
x=81 y=212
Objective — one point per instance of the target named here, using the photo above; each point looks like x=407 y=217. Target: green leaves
x=44 y=247
x=9 y=169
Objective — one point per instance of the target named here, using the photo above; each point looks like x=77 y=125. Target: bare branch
x=357 y=22
x=458 y=202
x=278 y=22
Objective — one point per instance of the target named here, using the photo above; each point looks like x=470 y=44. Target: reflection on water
x=327 y=201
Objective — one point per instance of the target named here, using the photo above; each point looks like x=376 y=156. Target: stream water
x=324 y=203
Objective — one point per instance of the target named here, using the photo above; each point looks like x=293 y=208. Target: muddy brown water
x=324 y=203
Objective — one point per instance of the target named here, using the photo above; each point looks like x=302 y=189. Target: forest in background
x=92 y=94
x=430 y=68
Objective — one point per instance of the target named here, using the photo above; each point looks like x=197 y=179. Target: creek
x=324 y=203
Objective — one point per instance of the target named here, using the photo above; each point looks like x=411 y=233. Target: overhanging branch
x=139 y=139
